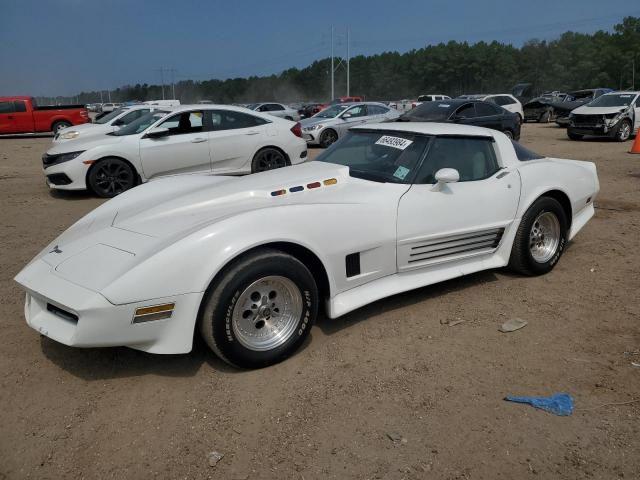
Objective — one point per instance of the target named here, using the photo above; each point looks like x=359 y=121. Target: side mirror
x=446 y=175
x=346 y=116
x=157 y=133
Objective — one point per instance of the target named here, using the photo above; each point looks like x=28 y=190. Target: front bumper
x=74 y=170
x=311 y=137
x=595 y=130
x=78 y=317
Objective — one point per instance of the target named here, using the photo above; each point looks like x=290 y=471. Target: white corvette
x=248 y=261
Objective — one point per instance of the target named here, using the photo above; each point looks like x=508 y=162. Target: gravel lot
x=392 y=370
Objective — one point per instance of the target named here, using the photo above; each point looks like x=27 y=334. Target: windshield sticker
x=444 y=105
x=626 y=96
x=394 y=142
x=401 y=173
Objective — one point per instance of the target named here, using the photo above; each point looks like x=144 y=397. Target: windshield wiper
x=373 y=176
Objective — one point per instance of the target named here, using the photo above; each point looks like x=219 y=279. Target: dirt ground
x=392 y=370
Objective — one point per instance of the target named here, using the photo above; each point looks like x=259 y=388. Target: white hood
x=85 y=142
x=587 y=110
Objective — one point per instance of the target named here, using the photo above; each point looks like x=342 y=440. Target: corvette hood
x=204 y=202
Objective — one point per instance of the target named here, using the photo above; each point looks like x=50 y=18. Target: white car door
x=184 y=148
x=356 y=115
x=234 y=138
x=450 y=221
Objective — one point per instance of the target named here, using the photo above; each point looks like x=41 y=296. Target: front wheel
x=540 y=239
x=508 y=133
x=328 y=137
x=261 y=309
x=624 y=131
x=110 y=177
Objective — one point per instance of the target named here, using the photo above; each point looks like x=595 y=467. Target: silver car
x=326 y=126
x=276 y=109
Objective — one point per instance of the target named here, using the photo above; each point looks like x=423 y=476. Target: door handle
x=252 y=132
x=198 y=140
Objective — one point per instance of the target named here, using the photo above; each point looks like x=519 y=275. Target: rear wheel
x=268 y=159
x=261 y=309
x=59 y=126
x=624 y=131
x=328 y=137
x=110 y=177
x=540 y=239
x=508 y=133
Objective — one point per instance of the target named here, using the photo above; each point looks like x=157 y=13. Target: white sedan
x=109 y=123
x=190 y=139
x=247 y=262
x=276 y=109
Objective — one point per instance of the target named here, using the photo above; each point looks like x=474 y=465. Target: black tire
x=268 y=159
x=216 y=320
x=574 y=136
x=110 y=177
x=508 y=133
x=623 y=131
x=59 y=126
x=522 y=259
x=328 y=137
x=545 y=117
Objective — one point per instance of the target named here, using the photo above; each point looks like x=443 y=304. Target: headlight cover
x=313 y=127
x=70 y=135
x=50 y=160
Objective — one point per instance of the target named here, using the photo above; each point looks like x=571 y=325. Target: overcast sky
x=60 y=47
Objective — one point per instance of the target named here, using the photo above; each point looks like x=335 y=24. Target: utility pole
x=109 y=91
x=332 y=89
x=347 y=61
x=101 y=101
x=173 y=85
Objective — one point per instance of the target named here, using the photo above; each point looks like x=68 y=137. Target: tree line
x=572 y=61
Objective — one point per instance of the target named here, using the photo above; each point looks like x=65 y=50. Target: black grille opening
x=59 y=179
x=352 y=264
x=72 y=317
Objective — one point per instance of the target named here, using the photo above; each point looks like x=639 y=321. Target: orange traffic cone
x=635 y=148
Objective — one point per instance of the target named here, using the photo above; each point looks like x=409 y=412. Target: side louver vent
x=455 y=245
x=352 y=264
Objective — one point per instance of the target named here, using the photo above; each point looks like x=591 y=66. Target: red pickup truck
x=22 y=115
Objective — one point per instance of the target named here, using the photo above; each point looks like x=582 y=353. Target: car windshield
x=110 y=116
x=141 y=123
x=617 y=100
x=430 y=111
x=253 y=106
x=379 y=156
x=332 y=111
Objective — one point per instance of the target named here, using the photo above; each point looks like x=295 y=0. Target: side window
x=357 y=111
x=6 y=107
x=230 y=120
x=183 y=123
x=466 y=111
x=276 y=107
x=131 y=116
x=486 y=110
x=637 y=102
x=19 y=106
x=473 y=158
x=495 y=100
x=263 y=108
x=507 y=100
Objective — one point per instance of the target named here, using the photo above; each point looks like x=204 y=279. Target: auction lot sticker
x=395 y=142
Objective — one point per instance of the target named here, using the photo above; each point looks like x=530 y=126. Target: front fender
x=330 y=231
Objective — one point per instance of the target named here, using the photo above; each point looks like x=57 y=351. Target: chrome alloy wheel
x=267 y=313
x=625 y=131
x=544 y=237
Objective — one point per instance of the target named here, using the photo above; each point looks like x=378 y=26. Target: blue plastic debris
x=558 y=404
